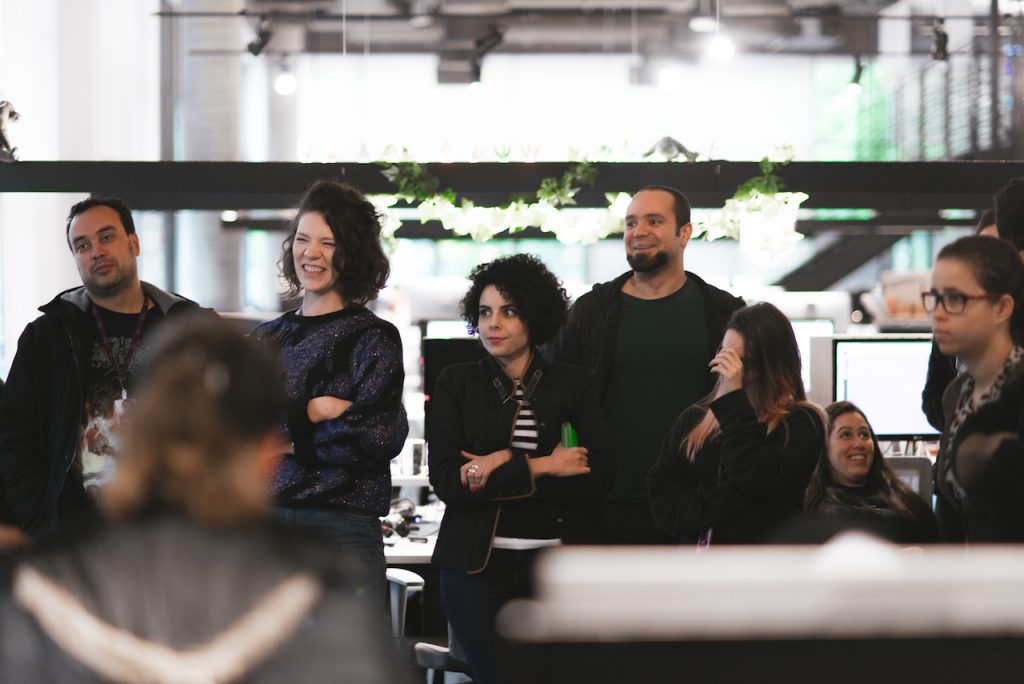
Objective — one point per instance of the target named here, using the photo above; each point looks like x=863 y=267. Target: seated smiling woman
x=854 y=482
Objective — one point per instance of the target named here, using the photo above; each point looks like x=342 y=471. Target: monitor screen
x=447 y=330
x=444 y=352
x=805 y=329
x=884 y=377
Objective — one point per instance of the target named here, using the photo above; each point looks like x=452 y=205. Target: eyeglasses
x=953 y=302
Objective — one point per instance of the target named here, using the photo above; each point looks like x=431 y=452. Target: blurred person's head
x=987 y=224
x=334 y=245
x=202 y=437
x=1009 y=209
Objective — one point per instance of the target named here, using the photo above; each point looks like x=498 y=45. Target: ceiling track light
x=705 y=17
x=286 y=83
x=940 y=41
x=264 y=32
x=854 y=86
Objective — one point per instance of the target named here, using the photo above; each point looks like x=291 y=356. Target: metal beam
x=884 y=186
x=833 y=263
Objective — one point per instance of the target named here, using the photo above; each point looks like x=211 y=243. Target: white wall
x=544 y=107
x=84 y=75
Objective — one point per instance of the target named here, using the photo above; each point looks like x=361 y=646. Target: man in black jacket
x=73 y=374
x=647 y=337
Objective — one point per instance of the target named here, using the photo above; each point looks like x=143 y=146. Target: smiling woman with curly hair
x=343 y=375
x=498 y=459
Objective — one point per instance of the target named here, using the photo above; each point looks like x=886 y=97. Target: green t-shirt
x=659 y=369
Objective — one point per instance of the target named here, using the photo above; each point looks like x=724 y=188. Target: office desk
x=401 y=551
x=404 y=551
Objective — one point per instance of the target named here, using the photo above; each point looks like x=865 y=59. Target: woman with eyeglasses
x=977 y=288
x=854 y=483
x=736 y=465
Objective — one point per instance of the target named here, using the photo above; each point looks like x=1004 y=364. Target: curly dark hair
x=525 y=282
x=359 y=259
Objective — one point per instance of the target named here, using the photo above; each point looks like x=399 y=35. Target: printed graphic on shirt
x=100 y=438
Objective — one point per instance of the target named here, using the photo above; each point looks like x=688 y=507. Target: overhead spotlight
x=421 y=13
x=720 y=48
x=705 y=17
x=285 y=83
x=264 y=32
x=858 y=70
x=493 y=38
x=940 y=41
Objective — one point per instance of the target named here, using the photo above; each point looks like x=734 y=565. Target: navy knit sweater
x=345 y=462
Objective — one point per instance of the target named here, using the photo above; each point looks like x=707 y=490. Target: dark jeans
x=359 y=534
x=632 y=524
x=471 y=603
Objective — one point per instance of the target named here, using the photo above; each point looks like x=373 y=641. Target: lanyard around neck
x=120 y=368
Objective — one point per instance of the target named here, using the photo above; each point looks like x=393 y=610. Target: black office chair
x=916 y=473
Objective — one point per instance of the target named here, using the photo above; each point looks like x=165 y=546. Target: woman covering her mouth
x=854 y=481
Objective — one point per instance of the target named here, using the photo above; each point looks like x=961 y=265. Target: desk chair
x=401 y=585
x=916 y=473
x=438 y=659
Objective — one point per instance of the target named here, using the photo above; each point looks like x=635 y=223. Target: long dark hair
x=881 y=480
x=771 y=372
x=359 y=260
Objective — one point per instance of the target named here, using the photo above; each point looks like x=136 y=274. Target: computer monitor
x=443 y=329
x=805 y=329
x=915 y=472
x=439 y=353
x=884 y=375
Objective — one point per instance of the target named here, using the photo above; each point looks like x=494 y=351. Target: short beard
x=647 y=263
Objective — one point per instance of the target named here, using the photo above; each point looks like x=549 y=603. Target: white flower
x=782 y=154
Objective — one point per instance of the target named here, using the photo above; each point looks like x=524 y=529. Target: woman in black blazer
x=517 y=451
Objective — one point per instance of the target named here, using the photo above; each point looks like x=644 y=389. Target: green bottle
x=569 y=438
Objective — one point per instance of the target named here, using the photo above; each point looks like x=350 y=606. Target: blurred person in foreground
x=190 y=583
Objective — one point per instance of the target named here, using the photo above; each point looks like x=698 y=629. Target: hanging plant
x=760 y=214
x=413 y=183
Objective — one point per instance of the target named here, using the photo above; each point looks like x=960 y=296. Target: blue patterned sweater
x=345 y=462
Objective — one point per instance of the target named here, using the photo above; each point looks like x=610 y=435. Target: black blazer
x=473 y=409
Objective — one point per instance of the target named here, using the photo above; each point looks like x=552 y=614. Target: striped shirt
x=524 y=434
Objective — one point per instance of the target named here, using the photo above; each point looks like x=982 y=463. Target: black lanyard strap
x=120 y=369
